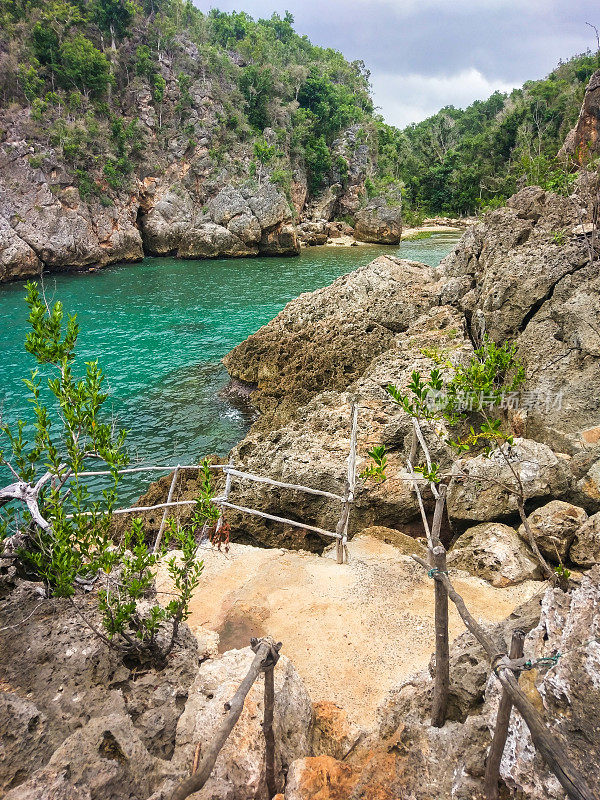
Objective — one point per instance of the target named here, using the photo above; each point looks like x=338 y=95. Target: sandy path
x=353 y=631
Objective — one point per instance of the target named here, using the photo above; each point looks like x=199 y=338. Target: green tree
x=84 y=67
x=318 y=162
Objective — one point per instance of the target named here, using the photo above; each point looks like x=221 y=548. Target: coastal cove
x=159 y=329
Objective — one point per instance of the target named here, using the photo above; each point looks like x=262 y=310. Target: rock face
x=57 y=230
x=585 y=550
x=515 y=283
x=554 y=527
x=582 y=142
x=239 y=771
x=482 y=497
x=494 y=552
x=379 y=223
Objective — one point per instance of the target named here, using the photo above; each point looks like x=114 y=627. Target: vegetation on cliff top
x=80 y=68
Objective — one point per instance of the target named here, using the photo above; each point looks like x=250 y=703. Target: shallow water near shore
x=160 y=328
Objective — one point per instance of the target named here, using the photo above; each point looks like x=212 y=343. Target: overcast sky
x=425 y=54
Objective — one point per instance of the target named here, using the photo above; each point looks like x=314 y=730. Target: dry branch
x=546 y=743
x=233 y=711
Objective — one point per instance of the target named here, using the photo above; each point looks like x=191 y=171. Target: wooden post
x=263 y=649
x=342 y=526
x=268 y=667
x=442 y=642
x=492 y=767
x=159 y=535
x=219 y=524
x=548 y=745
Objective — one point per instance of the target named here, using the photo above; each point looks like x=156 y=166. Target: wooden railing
x=267 y=655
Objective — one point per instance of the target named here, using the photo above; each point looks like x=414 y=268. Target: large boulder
x=208 y=240
x=379 y=223
x=554 y=527
x=325 y=339
x=585 y=549
x=239 y=770
x=493 y=551
x=479 y=487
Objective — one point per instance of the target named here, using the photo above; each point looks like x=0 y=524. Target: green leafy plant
x=376 y=470
x=59 y=533
x=559 y=237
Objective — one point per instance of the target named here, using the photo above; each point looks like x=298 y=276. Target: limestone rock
x=493 y=551
x=167 y=213
x=401 y=541
x=104 y=759
x=351 y=321
x=279 y=241
x=554 y=527
x=379 y=223
x=69 y=675
x=208 y=240
x=239 y=770
x=585 y=550
x=333 y=732
x=58 y=228
x=567 y=694
x=25 y=739
x=515 y=283
x=268 y=205
x=582 y=142
x=17 y=258
x=481 y=498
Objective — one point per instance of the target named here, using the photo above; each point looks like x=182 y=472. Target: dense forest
x=76 y=67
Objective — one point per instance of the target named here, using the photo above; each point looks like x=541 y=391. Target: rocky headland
x=81 y=723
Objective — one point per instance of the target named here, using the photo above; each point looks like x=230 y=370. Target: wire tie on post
x=434 y=570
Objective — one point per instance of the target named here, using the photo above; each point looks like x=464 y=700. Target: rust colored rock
x=583 y=141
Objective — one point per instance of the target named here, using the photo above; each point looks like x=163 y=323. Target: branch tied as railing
x=266 y=656
x=504 y=667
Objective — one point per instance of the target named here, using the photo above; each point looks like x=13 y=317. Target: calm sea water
x=160 y=329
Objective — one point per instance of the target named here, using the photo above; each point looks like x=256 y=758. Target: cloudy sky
x=424 y=54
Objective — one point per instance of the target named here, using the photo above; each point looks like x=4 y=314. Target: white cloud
x=411 y=98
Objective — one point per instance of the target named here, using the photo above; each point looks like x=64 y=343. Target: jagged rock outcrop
x=68 y=678
x=516 y=281
x=484 y=496
x=493 y=551
x=326 y=339
x=583 y=142
x=310 y=444
x=379 y=222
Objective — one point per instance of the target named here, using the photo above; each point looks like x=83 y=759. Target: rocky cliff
x=189 y=143
x=526 y=273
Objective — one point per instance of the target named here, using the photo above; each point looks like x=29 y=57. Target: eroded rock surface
x=494 y=551
x=239 y=770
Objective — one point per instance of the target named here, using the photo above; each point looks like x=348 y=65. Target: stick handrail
x=271 y=482
x=254 y=512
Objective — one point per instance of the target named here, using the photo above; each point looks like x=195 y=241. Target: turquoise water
x=160 y=328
